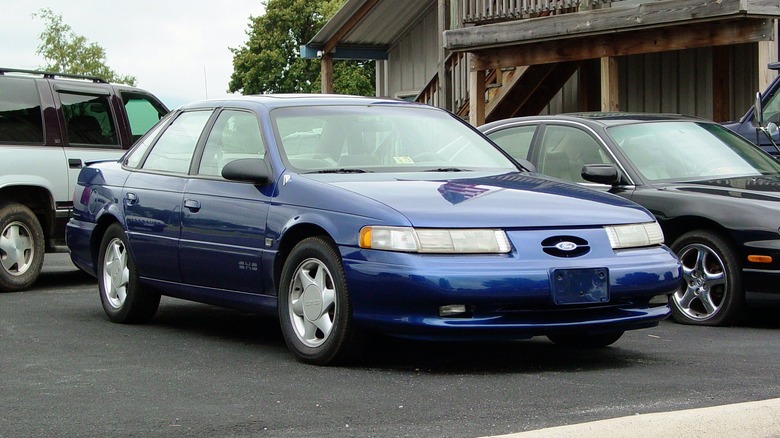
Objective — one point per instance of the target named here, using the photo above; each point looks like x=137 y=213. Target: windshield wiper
x=341 y=170
x=447 y=169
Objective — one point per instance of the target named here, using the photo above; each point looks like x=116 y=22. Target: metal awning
x=366 y=29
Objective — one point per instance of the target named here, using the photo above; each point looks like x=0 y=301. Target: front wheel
x=712 y=293
x=585 y=340
x=124 y=299
x=314 y=306
x=21 y=247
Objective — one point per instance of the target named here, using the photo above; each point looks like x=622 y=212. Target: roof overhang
x=365 y=29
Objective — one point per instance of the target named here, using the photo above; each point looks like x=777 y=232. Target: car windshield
x=684 y=150
x=381 y=138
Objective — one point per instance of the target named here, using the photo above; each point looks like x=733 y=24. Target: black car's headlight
x=434 y=240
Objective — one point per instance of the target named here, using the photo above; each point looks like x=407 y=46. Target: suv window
x=173 y=151
x=88 y=119
x=142 y=113
x=20 y=111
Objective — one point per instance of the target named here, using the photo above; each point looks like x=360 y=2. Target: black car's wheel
x=314 y=304
x=21 y=247
x=585 y=340
x=712 y=292
x=124 y=299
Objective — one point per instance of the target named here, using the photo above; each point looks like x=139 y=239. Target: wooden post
x=721 y=83
x=767 y=52
x=444 y=90
x=609 y=84
x=477 y=97
x=326 y=73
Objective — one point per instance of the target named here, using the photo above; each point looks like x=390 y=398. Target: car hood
x=506 y=200
x=757 y=188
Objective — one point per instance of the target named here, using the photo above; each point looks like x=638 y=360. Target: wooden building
x=492 y=59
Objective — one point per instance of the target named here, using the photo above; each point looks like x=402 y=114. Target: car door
x=90 y=128
x=223 y=222
x=153 y=196
x=515 y=140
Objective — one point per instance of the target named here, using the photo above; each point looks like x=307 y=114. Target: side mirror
x=758 y=112
x=253 y=170
x=600 y=173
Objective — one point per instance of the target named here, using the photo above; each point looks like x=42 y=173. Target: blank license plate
x=580 y=286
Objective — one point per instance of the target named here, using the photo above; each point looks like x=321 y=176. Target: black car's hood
x=759 y=188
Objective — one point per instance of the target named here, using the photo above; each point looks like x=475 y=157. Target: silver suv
x=51 y=124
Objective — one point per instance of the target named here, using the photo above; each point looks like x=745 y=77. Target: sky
x=176 y=49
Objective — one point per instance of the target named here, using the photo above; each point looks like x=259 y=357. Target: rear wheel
x=21 y=247
x=585 y=340
x=124 y=299
x=314 y=306
x=712 y=293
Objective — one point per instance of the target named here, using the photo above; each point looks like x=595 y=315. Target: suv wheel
x=21 y=247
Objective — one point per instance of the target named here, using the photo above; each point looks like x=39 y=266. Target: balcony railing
x=490 y=11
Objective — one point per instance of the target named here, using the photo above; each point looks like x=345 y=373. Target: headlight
x=635 y=235
x=432 y=240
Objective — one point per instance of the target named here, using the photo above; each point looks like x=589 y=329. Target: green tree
x=269 y=61
x=66 y=52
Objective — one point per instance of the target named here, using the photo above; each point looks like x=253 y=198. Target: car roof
x=604 y=119
x=286 y=100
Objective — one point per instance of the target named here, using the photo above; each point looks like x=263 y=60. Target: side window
x=88 y=119
x=564 y=150
x=135 y=156
x=20 y=111
x=772 y=108
x=515 y=141
x=173 y=151
x=142 y=113
x=236 y=134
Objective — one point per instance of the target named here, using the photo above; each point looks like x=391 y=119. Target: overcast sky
x=176 y=49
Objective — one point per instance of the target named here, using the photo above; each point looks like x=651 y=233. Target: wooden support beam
x=625 y=43
x=721 y=83
x=444 y=90
x=477 y=97
x=609 y=84
x=326 y=73
x=767 y=52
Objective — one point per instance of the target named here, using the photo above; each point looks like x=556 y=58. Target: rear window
x=20 y=111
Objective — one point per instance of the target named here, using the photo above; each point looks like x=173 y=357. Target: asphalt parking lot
x=198 y=370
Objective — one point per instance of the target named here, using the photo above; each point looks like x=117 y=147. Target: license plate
x=580 y=286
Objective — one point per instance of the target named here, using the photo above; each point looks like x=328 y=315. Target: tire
x=124 y=300
x=21 y=247
x=585 y=340
x=315 y=313
x=712 y=290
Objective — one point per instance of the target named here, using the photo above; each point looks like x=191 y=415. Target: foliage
x=269 y=60
x=66 y=52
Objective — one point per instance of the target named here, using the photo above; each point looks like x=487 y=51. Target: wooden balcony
x=493 y=11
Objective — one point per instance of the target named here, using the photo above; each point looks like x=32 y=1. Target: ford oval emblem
x=566 y=246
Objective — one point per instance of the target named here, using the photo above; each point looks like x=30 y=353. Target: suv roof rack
x=52 y=75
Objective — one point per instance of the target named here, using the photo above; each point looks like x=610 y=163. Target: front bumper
x=505 y=297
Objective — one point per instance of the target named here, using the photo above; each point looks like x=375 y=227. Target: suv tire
x=21 y=247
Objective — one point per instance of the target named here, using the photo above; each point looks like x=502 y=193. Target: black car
x=716 y=195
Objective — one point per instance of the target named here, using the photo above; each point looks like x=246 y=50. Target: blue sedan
x=349 y=216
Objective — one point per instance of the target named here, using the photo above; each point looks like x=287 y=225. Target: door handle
x=75 y=163
x=192 y=205
x=130 y=199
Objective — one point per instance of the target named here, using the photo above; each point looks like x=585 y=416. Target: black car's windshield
x=685 y=150
x=381 y=138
